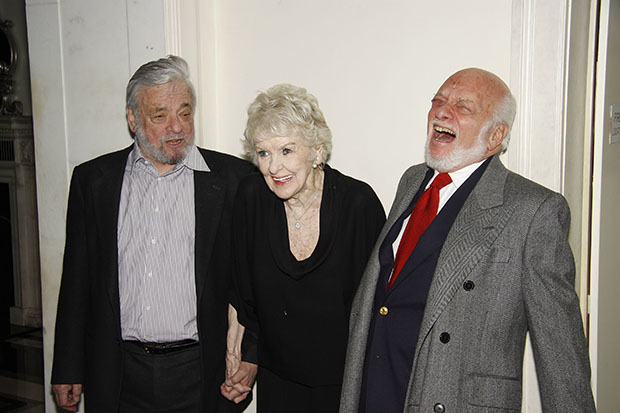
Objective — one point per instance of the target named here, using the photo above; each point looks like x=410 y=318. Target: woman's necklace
x=298 y=218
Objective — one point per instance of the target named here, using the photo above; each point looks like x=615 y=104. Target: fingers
x=239 y=385
x=241 y=398
x=236 y=393
x=239 y=376
x=67 y=396
x=242 y=388
x=77 y=392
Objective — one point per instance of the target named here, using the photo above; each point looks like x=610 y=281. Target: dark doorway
x=7 y=299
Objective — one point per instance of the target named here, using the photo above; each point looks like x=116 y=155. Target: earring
x=315 y=163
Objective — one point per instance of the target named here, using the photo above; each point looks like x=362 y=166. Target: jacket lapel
x=407 y=190
x=363 y=304
x=478 y=224
x=210 y=195
x=106 y=197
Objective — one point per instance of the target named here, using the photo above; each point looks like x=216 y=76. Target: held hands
x=240 y=375
x=67 y=396
x=239 y=384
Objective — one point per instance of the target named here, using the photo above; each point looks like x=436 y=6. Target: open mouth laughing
x=442 y=134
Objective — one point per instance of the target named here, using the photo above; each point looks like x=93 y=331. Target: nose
x=274 y=164
x=443 y=111
x=174 y=125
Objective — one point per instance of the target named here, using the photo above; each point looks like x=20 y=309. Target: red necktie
x=424 y=211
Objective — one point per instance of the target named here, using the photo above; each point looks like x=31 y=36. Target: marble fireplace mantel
x=18 y=170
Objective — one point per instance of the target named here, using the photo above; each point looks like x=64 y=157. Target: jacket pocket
x=497 y=392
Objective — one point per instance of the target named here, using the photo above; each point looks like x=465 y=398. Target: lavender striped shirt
x=156 y=232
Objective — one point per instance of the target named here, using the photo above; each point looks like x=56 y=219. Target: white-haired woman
x=302 y=235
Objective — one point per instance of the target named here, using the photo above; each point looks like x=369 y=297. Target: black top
x=300 y=309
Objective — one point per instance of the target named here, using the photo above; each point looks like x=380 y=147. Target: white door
x=605 y=247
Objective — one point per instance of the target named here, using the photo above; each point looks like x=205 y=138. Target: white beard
x=459 y=157
x=157 y=152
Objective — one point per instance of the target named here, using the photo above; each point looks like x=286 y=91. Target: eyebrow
x=258 y=145
x=157 y=109
x=464 y=100
x=458 y=100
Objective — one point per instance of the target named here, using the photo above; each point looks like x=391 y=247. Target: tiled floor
x=21 y=371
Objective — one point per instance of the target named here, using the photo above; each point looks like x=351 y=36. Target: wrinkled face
x=286 y=165
x=460 y=125
x=164 y=126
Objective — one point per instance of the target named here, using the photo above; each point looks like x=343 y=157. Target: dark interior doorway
x=7 y=299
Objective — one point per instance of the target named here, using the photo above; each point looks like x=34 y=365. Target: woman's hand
x=240 y=375
x=239 y=385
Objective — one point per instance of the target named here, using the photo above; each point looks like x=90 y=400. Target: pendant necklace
x=297 y=219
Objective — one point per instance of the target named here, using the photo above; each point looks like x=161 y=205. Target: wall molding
x=538 y=81
x=172 y=24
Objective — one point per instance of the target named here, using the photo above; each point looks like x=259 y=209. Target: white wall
x=373 y=65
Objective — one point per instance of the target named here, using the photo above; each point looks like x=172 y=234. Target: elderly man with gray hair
x=143 y=305
x=471 y=258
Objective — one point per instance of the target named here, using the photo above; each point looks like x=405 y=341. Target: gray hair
x=505 y=113
x=286 y=110
x=158 y=72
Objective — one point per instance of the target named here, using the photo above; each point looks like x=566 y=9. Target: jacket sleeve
x=369 y=220
x=69 y=347
x=242 y=293
x=552 y=311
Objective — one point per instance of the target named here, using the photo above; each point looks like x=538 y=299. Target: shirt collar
x=461 y=175
x=194 y=159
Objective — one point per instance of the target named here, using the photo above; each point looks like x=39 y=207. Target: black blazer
x=88 y=336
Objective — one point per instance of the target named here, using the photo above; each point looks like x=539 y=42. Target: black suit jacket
x=88 y=336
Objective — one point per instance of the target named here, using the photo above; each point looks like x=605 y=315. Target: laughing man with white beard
x=471 y=258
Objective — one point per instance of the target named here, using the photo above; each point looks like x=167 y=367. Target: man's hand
x=239 y=385
x=67 y=396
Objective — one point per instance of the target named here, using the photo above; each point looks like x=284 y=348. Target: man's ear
x=131 y=119
x=500 y=130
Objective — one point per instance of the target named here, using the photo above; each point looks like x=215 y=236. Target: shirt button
x=156 y=209
x=148 y=308
x=468 y=285
x=444 y=337
x=383 y=310
x=439 y=408
x=285 y=313
x=153 y=241
x=150 y=274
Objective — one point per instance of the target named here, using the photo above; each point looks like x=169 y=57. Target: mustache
x=171 y=136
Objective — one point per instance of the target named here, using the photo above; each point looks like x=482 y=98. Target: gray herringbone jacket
x=510 y=240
